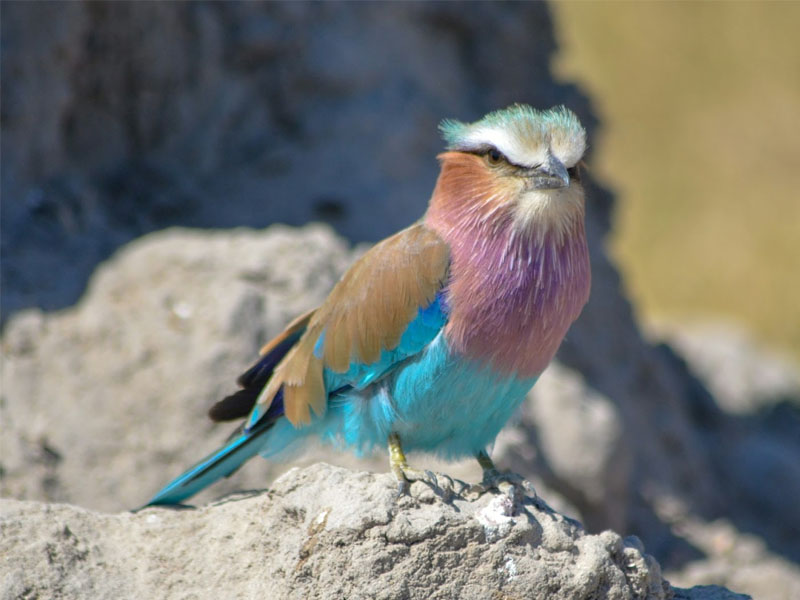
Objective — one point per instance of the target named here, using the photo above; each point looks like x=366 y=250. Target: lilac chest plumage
x=512 y=292
x=513 y=300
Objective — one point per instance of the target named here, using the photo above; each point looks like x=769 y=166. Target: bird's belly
x=437 y=402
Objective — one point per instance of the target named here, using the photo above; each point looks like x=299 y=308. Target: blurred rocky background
x=122 y=120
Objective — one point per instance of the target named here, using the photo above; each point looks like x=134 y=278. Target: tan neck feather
x=469 y=195
x=554 y=212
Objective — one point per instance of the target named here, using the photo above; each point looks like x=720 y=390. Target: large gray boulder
x=104 y=402
x=326 y=533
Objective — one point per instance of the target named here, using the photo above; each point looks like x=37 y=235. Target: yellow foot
x=405 y=474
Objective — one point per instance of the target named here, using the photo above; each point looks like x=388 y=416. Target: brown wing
x=239 y=404
x=299 y=324
x=366 y=312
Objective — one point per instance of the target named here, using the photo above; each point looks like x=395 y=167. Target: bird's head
x=517 y=165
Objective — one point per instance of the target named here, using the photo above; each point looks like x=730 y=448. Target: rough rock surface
x=326 y=532
x=100 y=403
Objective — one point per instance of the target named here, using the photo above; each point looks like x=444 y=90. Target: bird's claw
x=506 y=482
x=441 y=483
x=405 y=475
x=410 y=474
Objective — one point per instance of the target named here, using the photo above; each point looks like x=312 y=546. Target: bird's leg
x=486 y=463
x=402 y=472
x=493 y=479
x=491 y=476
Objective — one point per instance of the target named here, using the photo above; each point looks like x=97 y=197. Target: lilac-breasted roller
x=431 y=340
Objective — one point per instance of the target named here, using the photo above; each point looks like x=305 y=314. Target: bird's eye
x=494 y=156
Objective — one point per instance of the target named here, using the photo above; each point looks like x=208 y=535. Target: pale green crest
x=522 y=133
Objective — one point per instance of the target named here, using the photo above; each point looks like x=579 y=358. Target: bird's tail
x=249 y=438
x=242 y=446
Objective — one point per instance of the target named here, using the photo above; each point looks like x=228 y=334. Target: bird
x=432 y=339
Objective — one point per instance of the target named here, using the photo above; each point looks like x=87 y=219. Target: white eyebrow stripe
x=570 y=154
x=507 y=144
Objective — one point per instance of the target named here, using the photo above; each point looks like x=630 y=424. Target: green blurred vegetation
x=700 y=109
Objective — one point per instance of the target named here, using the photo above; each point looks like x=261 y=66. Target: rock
x=120 y=119
x=102 y=401
x=325 y=532
x=743 y=376
x=736 y=560
x=752 y=396
x=572 y=437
